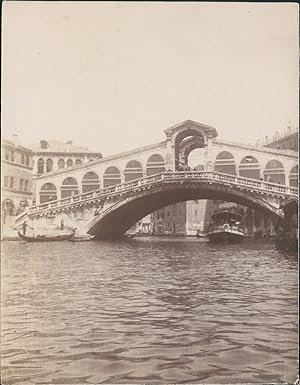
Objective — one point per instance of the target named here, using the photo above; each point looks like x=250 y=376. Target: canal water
x=148 y=310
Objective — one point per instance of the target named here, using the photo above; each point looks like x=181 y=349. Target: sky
x=112 y=76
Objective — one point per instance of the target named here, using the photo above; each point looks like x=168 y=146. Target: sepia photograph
x=149 y=193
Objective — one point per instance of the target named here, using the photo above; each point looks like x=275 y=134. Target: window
x=27 y=160
x=11 y=182
x=49 y=165
x=22 y=158
x=6 y=181
x=21 y=184
x=69 y=163
x=61 y=163
x=40 y=167
x=6 y=154
x=12 y=155
x=195 y=212
x=26 y=185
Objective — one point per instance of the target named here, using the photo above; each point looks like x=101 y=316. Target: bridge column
x=170 y=161
x=208 y=156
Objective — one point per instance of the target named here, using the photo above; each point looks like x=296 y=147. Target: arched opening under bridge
x=123 y=214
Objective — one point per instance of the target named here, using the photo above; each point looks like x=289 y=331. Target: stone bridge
x=277 y=166
x=105 y=197
x=110 y=211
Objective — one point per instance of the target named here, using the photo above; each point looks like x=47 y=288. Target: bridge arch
x=185 y=141
x=69 y=187
x=120 y=215
x=155 y=165
x=293 y=177
x=133 y=170
x=249 y=167
x=274 y=172
x=48 y=193
x=111 y=176
x=90 y=182
x=225 y=163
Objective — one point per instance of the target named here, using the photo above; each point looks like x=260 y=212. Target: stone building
x=284 y=141
x=187 y=218
x=184 y=218
x=54 y=155
x=16 y=180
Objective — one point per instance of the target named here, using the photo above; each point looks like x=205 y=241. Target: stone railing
x=169 y=177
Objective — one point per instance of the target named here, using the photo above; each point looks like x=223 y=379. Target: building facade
x=184 y=218
x=16 y=179
x=287 y=140
x=189 y=218
x=54 y=155
x=51 y=156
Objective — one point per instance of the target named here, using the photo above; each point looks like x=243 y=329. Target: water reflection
x=148 y=310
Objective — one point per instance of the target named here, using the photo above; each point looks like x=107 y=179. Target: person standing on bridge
x=62 y=224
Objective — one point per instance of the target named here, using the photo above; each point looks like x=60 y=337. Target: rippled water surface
x=148 y=310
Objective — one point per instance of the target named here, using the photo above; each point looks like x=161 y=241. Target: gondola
x=82 y=238
x=46 y=237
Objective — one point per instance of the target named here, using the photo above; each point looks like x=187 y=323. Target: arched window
x=49 y=165
x=69 y=187
x=111 y=176
x=78 y=162
x=249 y=167
x=40 y=166
x=155 y=165
x=48 y=193
x=69 y=163
x=61 y=164
x=90 y=182
x=274 y=172
x=225 y=163
x=293 y=178
x=133 y=170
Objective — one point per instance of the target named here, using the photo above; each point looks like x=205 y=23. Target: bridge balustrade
x=169 y=175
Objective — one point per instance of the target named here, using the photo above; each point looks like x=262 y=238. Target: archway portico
x=185 y=137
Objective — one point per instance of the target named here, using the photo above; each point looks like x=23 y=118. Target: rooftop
x=56 y=146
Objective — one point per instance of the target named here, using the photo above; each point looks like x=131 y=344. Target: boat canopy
x=226 y=216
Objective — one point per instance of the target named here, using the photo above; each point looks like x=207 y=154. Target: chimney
x=44 y=144
x=69 y=144
x=16 y=138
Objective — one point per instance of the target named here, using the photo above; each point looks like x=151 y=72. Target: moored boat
x=82 y=238
x=129 y=235
x=200 y=234
x=226 y=228
x=46 y=237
